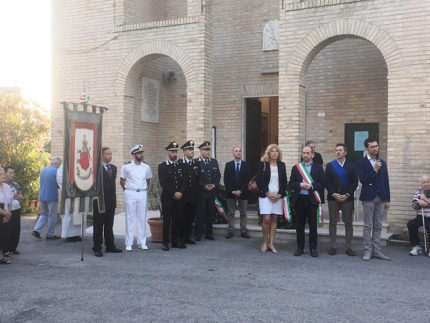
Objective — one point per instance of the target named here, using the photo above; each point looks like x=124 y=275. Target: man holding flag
x=307 y=179
x=341 y=184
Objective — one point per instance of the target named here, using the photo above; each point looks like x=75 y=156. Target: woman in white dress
x=272 y=181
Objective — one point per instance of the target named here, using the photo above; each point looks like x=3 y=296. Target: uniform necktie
x=109 y=170
x=237 y=172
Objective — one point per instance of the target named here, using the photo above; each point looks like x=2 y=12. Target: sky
x=25 y=48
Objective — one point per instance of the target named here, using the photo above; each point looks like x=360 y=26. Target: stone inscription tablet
x=150 y=100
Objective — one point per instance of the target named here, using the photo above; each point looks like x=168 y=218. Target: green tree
x=24 y=132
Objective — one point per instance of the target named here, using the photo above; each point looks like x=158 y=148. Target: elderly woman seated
x=421 y=203
x=6 y=197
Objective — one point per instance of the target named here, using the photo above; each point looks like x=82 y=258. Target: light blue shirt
x=303 y=191
x=237 y=163
x=48 y=191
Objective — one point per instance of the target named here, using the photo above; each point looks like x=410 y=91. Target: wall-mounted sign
x=150 y=100
x=359 y=138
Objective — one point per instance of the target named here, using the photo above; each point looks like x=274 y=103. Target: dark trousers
x=188 y=213
x=15 y=229
x=305 y=210
x=205 y=211
x=413 y=226
x=103 y=222
x=172 y=217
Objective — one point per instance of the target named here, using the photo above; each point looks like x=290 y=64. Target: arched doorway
x=346 y=96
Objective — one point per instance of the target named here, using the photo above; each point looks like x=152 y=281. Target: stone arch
x=155 y=47
x=320 y=37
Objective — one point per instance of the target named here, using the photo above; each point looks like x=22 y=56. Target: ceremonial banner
x=82 y=172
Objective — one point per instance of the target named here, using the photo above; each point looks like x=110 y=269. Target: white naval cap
x=136 y=149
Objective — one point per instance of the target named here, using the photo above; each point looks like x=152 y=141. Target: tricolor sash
x=341 y=173
x=220 y=208
x=287 y=207
x=308 y=179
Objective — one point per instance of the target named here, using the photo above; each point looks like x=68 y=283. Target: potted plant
x=154 y=203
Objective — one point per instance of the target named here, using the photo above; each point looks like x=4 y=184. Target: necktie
x=109 y=170
x=237 y=172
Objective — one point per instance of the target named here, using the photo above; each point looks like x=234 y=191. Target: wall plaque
x=150 y=100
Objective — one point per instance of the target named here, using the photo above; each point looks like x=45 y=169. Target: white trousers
x=135 y=207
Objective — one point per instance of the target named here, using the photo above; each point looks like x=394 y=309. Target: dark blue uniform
x=208 y=174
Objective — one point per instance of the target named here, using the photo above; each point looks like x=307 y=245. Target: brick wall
x=347 y=81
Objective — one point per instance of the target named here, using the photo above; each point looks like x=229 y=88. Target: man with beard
x=307 y=179
x=134 y=180
x=190 y=192
x=170 y=174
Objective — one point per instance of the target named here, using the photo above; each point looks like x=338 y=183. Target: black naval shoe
x=179 y=244
x=190 y=241
x=98 y=253
x=165 y=247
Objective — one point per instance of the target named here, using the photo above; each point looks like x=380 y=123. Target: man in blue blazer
x=375 y=196
x=236 y=178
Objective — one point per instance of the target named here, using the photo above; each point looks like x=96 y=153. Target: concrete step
x=255 y=230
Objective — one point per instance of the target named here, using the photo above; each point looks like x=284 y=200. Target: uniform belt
x=140 y=190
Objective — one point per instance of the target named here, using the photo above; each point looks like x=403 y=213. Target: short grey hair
x=55 y=160
x=424 y=176
x=309 y=142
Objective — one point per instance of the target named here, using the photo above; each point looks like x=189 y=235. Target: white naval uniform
x=70 y=223
x=135 y=200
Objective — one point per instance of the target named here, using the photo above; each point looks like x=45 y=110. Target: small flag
x=83 y=98
x=320 y=214
x=340 y=216
x=220 y=208
x=287 y=208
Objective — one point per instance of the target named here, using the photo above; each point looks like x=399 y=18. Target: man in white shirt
x=134 y=180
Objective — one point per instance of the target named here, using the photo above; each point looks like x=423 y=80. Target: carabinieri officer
x=191 y=191
x=170 y=174
x=209 y=178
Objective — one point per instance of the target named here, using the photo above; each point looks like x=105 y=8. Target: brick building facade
x=341 y=68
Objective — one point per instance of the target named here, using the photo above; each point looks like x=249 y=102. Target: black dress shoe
x=245 y=235
x=299 y=252
x=332 y=251
x=209 y=238
x=229 y=235
x=313 y=253
x=197 y=238
x=190 y=241
x=16 y=252
x=74 y=239
x=98 y=253
x=165 y=247
x=114 y=250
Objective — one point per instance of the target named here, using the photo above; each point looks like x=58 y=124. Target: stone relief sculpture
x=271 y=36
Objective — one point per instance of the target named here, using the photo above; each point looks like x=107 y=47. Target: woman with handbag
x=6 y=197
x=272 y=182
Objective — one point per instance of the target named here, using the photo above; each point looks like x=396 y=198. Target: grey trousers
x=347 y=209
x=373 y=214
x=232 y=204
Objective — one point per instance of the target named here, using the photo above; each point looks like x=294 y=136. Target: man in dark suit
x=375 y=196
x=209 y=178
x=316 y=156
x=170 y=174
x=307 y=179
x=104 y=221
x=341 y=183
x=189 y=197
x=236 y=178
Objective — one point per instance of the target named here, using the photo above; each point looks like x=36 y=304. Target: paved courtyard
x=213 y=281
